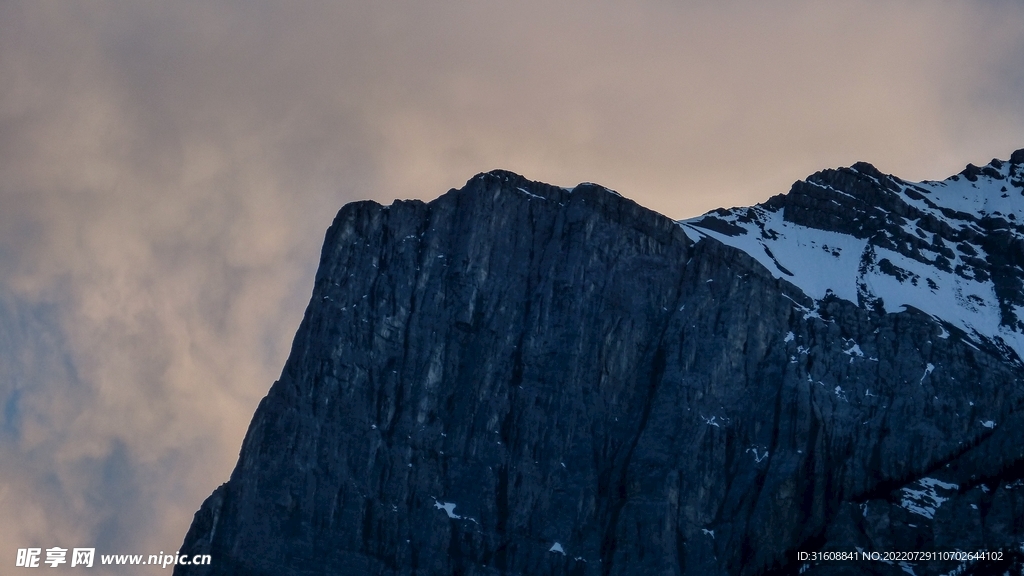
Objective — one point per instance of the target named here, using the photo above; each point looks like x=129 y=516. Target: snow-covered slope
x=953 y=249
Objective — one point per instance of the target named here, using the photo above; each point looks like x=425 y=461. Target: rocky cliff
x=517 y=378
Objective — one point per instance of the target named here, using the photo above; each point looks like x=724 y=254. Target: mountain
x=517 y=378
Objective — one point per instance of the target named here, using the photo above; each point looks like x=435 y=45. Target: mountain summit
x=517 y=378
x=952 y=249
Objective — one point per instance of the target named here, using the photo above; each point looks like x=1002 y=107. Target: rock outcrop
x=517 y=378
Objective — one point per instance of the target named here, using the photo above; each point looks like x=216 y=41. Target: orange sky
x=167 y=172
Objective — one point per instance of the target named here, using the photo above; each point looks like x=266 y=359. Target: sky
x=168 y=171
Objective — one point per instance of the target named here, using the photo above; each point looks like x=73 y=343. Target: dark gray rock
x=1017 y=157
x=521 y=379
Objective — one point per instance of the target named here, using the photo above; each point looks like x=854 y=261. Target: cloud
x=167 y=171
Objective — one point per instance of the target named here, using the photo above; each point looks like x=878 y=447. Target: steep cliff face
x=522 y=379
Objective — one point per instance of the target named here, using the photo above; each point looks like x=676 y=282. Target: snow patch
x=710 y=421
x=814 y=260
x=448 y=507
x=523 y=190
x=925 y=500
x=927 y=370
x=757 y=456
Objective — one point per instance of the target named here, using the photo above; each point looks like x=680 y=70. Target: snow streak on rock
x=926 y=495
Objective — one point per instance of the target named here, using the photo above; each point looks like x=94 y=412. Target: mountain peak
x=501 y=175
x=952 y=249
x=1017 y=157
x=869 y=170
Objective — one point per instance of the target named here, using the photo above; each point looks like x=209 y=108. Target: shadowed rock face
x=522 y=379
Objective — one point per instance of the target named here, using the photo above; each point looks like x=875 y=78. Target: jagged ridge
x=953 y=249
